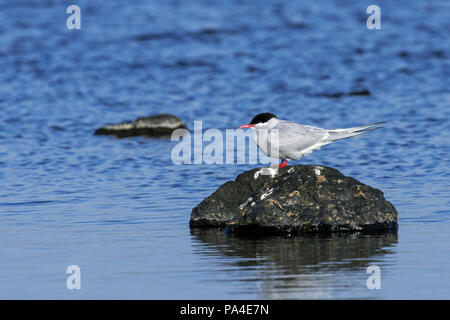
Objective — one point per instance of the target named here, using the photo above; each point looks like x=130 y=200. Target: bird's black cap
x=262 y=118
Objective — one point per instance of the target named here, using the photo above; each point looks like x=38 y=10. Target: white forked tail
x=338 y=134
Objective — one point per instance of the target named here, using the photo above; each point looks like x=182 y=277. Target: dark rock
x=361 y=92
x=298 y=199
x=332 y=95
x=156 y=126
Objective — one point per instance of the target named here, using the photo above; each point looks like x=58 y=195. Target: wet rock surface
x=161 y=125
x=297 y=199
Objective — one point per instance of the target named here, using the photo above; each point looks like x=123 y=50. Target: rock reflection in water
x=303 y=267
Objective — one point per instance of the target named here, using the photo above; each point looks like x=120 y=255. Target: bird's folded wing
x=296 y=137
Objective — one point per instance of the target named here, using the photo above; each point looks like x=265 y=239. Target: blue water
x=119 y=209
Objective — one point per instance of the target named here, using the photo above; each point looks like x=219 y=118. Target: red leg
x=282 y=164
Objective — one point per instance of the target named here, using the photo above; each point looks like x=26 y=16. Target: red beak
x=246 y=126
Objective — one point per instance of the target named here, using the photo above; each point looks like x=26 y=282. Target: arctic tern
x=288 y=140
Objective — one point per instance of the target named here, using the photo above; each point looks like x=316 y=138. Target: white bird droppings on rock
x=317 y=170
x=265 y=195
x=245 y=203
x=269 y=171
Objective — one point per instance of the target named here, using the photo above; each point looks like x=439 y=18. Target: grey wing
x=295 y=140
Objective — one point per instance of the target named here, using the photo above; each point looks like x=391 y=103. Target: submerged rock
x=155 y=126
x=296 y=199
x=362 y=92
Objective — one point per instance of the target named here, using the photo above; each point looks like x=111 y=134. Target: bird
x=287 y=140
